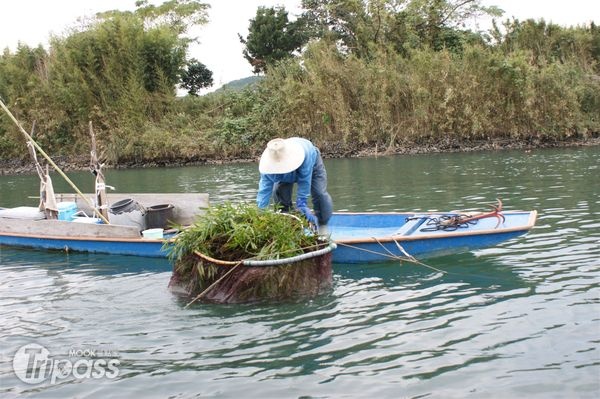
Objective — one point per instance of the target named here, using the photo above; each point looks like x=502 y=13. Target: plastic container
x=86 y=219
x=127 y=212
x=159 y=216
x=154 y=234
x=66 y=210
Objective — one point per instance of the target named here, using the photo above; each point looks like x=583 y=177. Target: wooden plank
x=64 y=229
x=186 y=205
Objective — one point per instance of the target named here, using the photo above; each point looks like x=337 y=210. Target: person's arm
x=265 y=189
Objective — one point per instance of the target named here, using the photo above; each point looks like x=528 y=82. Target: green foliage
x=548 y=42
x=367 y=26
x=240 y=84
x=178 y=15
x=120 y=71
x=271 y=37
x=235 y=232
x=380 y=72
x=195 y=77
x=431 y=95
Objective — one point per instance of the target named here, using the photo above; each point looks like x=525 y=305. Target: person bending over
x=294 y=160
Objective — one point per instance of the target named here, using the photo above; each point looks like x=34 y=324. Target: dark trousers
x=322 y=203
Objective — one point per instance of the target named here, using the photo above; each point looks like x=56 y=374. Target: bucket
x=66 y=210
x=127 y=212
x=159 y=216
x=155 y=234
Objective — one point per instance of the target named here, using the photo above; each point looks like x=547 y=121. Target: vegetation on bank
x=375 y=73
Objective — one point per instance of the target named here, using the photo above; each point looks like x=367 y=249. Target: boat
x=28 y=226
x=367 y=237
x=379 y=237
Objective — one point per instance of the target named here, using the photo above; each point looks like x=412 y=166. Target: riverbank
x=330 y=150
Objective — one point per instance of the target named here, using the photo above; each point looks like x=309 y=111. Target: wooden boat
x=28 y=227
x=360 y=237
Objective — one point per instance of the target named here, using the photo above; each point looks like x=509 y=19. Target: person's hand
x=303 y=208
x=309 y=216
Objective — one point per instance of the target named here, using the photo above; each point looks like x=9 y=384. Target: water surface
x=518 y=320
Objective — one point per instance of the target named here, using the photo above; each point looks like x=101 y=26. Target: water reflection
x=81 y=263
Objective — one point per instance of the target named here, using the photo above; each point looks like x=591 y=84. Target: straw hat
x=281 y=156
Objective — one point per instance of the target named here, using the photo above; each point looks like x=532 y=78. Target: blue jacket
x=302 y=176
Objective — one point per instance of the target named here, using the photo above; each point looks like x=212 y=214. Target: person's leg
x=322 y=203
x=282 y=195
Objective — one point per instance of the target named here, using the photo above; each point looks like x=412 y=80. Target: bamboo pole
x=100 y=184
x=210 y=287
x=50 y=161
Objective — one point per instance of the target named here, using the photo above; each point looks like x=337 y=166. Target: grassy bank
x=534 y=85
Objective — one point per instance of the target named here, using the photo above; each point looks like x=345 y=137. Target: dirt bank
x=330 y=150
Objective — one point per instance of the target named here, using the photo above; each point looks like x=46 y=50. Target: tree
x=271 y=37
x=195 y=77
x=345 y=21
x=120 y=70
x=359 y=25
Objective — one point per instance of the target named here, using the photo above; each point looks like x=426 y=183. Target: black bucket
x=159 y=216
x=124 y=205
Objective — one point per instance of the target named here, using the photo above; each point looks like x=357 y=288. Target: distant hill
x=240 y=83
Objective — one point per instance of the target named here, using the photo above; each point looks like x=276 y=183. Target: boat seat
x=409 y=227
x=23 y=212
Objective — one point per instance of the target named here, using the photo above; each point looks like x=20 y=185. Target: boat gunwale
x=86 y=238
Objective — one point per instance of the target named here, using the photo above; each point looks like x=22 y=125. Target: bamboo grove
x=390 y=74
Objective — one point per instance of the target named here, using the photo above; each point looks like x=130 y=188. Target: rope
x=409 y=258
x=418 y=262
x=412 y=259
x=368 y=250
x=297 y=258
x=456 y=221
x=445 y=222
x=390 y=255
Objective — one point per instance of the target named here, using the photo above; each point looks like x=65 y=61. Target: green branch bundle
x=234 y=232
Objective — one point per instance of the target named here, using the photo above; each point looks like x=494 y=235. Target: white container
x=153 y=234
x=88 y=220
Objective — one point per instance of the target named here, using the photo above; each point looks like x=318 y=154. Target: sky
x=33 y=21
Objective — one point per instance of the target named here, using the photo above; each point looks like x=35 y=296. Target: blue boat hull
x=361 y=237
x=374 y=252
x=382 y=237
x=148 y=248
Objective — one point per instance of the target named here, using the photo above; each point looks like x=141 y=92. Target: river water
x=518 y=320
